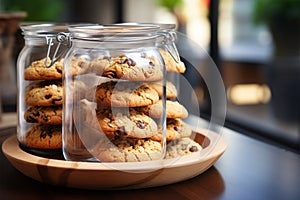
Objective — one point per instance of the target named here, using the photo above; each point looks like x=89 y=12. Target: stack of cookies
x=122 y=87
x=129 y=109
x=43 y=98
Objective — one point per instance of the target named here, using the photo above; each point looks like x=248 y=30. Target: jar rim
x=42 y=29
x=100 y=31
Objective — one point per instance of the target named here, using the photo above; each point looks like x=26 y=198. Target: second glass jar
x=114 y=94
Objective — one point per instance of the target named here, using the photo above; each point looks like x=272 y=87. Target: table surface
x=249 y=169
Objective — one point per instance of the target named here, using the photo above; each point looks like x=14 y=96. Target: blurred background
x=255 y=45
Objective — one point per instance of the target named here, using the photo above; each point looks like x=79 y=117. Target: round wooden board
x=94 y=175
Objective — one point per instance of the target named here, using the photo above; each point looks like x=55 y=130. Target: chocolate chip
x=131 y=62
x=30 y=119
x=193 y=149
x=45 y=118
x=177 y=128
x=45 y=132
x=141 y=124
x=36 y=114
x=151 y=63
x=121 y=131
x=43 y=135
x=59 y=70
x=55 y=100
x=48 y=96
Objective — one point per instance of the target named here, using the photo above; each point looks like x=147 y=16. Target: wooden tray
x=91 y=175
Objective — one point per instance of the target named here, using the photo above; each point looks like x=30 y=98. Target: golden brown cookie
x=173 y=110
x=44 y=137
x=38 y=70
x=44 y=114
x=171 y=64
x=125 y=94
x=176 y=129
x=45 y=93
x=128 y=150
x=125 y=123
x=171 y=91
x=141 y=68
x=182 y=147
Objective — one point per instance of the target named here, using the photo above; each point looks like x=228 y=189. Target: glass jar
x=40 y=92
x=112 y=111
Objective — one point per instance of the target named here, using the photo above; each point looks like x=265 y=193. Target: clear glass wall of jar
x=40 y=92
x=114 y=100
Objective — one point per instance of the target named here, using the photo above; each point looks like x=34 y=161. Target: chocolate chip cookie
x=43 y=137
x=135 y=68
x=182 y=147
x=128 y=150
x=125 y=123
x=45 y=93
x=38 y=70
x=125 y=94
x=44 y=114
